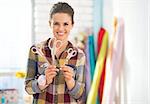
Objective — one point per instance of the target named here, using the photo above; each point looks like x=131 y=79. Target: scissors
x=71 y=53
x=53 y=47
x=38 y=50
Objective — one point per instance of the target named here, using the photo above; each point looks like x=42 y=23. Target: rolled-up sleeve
x=31 y=84
x=79 y=88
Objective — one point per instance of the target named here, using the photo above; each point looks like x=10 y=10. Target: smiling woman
x=58 y=74
x=15 y=31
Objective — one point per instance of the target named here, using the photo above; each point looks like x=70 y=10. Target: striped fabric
x=102 y=77
x=92 y=97
x=56 y=92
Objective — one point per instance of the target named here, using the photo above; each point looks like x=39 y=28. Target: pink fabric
x=114 y=64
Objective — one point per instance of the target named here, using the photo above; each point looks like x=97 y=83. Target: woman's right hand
x=50 y=73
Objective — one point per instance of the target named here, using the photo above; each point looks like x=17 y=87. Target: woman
x=53 y=76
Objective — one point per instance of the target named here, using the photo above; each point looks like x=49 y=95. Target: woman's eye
x=56 y=23
x=65 y=24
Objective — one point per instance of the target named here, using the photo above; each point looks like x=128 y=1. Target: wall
x=135 y=14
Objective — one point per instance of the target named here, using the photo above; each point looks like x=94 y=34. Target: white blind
x=83 y=17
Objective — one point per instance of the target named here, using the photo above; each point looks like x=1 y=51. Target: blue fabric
x=92 y=55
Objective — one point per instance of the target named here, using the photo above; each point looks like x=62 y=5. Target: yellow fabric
x=98 y=71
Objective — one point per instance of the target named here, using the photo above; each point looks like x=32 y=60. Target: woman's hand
x=68 y=74
x=50 y=73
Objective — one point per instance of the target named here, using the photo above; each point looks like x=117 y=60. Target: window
x=15 y=33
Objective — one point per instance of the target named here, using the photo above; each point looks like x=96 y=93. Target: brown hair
x=62 y=7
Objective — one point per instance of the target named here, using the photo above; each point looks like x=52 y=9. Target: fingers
x=50 y=69
x=67 y=69
x=50 y=73
x=68 y=76
x=68 y=72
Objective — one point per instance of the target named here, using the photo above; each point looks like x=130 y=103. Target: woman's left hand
x=68 y=72
x=69 y=76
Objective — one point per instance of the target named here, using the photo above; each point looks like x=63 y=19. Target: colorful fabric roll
x=92 y=55
x=100 y=38
x=92 y=97
x=102 y=77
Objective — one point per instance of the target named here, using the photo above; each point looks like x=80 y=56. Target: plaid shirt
x=57 y=92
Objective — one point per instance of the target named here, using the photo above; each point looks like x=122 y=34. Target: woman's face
x=61 y=24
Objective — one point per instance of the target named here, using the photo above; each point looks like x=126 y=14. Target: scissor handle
x=36 y=50
x=74 y=53
x=71 y=52
x=53 y=47
x=56 y=45
x=49 y=44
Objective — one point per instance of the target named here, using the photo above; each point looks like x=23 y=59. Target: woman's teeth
x=60 y=33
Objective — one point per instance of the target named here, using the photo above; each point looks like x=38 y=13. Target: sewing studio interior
x=75 y=52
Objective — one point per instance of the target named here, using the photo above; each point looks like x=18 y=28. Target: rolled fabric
x=99 y=39
x=102 y=77
x=101 y=83
x=92 y=55
x=114 y=62
x=92 y=97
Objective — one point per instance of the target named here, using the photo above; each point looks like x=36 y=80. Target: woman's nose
x=61 y=27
